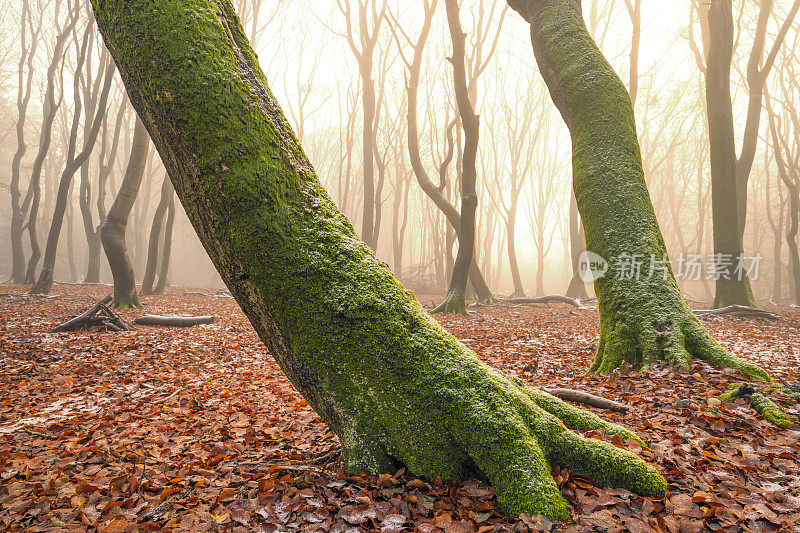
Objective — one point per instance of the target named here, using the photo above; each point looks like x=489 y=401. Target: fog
x=310 y=53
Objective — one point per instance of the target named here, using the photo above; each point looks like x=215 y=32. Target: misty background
x=310 y=53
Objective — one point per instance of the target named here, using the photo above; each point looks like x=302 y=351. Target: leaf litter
x=198 y=430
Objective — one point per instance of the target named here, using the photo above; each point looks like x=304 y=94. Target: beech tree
x=642 y=318
x=390 y=382
x=112 y=231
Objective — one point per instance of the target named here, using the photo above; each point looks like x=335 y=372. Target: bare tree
x=73 y=163
x=368 y=20
x=29 y=41
x=50 y=108
x=112 y=230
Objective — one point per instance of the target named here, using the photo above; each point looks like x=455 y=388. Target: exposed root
x=737 y=310
x=672 y=339
x=763 y=405
x=453 y=303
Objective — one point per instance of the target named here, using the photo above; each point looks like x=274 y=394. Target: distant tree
x=112 y=231
x=729 y=174
x=30 y=30
x=49 y=109
x=363 y=30
x=436 y=192
x=73 y=163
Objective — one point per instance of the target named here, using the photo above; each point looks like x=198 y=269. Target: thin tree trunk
x=360 y=348
x=112 y=231
x=454 y=301
x=577 y=287
x=166 y=252
x=733 y=288
x=24 y=84
x=156 y=230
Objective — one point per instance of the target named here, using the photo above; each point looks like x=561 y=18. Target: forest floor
x=197 y=429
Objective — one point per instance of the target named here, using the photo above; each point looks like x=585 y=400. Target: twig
x=48 y=436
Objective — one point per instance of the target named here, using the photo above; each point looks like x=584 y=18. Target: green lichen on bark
x=643 y=318
x=391 y=383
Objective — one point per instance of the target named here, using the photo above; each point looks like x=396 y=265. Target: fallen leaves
x=198 y=429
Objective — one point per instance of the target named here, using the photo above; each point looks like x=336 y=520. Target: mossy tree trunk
x=389 y=381
x=112 y=231
x=642 y=317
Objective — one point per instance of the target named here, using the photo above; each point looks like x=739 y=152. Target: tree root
x=453 y=303
x=173 y=320
x=737 y=310
x=642 y=336
x=763 y=405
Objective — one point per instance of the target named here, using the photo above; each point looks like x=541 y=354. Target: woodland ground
x=197 y=429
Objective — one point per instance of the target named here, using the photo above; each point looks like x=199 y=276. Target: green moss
x=454 y=302
x=393 y=385
x=643 y=316
x=769 y=410
x=130 y=301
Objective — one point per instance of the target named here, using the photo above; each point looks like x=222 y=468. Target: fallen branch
x=737 y=310
x=585 y=398
x=80 y=320
x=175 y=321
x=550 y=298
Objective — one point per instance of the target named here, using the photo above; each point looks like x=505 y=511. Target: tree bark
x=732 y=287
x=389 y=381
x=156 y=230
x=642 y=318
x=454 y=301
x=112 y=231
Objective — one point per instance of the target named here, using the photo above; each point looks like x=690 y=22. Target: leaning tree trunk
x=112 y=231
x=454 y=301
x=389 y=381
x=642 y=318
x=733 y=287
